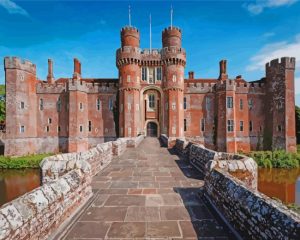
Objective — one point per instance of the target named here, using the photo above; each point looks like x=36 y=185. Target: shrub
x=276 y=159
x=29 y=161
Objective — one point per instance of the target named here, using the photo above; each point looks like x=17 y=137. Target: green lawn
x=29 y=161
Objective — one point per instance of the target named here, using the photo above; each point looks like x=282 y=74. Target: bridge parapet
x=231 y=188
x=66 y=187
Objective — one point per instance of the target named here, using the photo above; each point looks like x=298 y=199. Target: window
x=184 y=102
x=207 y=103
x=128 y=78
x=98 y=104
x=279 y=128
x=151 y=75
x=173 y=105
x=22 y=105
x=279 y=105
x=90 y=126
x=47 y=128
x=121 y=109
x=185 y=125
x=174 y=78
x=151 y=100
x=129 y=106
x=41 y=104
x=202 y=125
x=260 y=128
x=80 y=106
x=59 y=104
x=229 y=102
x=241 y=126
x=110 y=104
x=167 y=106
x=144 y=73
x=58 y=128
x=158 y=74
x=250 y=126
x=241 y=104
x=120 y=79
x=250 y=103
x=49 y=120
x=80 y=128
x=22 y=129
x=230 y=125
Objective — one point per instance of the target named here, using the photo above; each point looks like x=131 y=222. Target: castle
x=150 y=97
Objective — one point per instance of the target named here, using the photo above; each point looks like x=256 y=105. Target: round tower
x=175 y=58
x=171 y=37
x=128 y=59
x=130 y=36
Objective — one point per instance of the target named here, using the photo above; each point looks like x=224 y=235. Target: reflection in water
x=280 y=183
x=14 y=183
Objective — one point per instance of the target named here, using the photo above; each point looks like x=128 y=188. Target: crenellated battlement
x=248 y=87
x=286 y=62
x=43 y=87
x=127 y=29
x=18 y=63
x=171 y=29
x=199 y=87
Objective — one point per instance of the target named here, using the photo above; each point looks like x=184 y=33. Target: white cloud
x=259 y=6
x=13 y=8
x=277 y=50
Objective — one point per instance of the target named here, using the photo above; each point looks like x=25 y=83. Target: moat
x=283 y=184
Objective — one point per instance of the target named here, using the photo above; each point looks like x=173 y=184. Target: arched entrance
x=151 y=129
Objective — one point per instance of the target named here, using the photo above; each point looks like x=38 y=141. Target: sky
x=246 y=33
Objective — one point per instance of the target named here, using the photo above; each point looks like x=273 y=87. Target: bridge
x=138 y=189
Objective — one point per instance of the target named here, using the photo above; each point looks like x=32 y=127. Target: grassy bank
x=276 y=159
x=29 y=161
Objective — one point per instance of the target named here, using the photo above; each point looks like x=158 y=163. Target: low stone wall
x=134 y=142
x=251 y=213
x=242 y=167
x=36 y=214
x=66 y=186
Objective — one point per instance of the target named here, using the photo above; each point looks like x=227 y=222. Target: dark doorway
x=151 y=129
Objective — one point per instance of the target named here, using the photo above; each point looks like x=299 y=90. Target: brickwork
x=149 y=97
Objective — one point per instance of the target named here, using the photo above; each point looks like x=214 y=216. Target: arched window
x=151 y=99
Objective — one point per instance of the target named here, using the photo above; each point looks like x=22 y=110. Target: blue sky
x=246 y=33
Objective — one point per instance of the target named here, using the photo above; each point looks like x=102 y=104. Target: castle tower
x=174 y=58
x=279 y=132
x=128 y=59
x=78 y=111
x=21 y=105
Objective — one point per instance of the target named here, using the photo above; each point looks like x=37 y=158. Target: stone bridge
x=137 y=189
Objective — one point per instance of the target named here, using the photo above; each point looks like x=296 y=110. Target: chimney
x=77 y=69
x=50 y=77
x=223 y=70
x=191 y=75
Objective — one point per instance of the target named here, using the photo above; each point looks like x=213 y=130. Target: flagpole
x=150 y=35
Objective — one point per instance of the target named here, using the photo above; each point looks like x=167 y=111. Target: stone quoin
x=150 y=97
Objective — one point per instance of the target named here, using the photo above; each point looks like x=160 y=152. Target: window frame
x=230 y=125
x=241 y=126
x=229 y=102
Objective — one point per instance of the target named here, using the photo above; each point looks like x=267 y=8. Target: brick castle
x=149 y=97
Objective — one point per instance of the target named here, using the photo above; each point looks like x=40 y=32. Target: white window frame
x=22 y=129
x=230 y=125
x=229 y=102
x=151 y=101
x=157 y=75
x=144 y=74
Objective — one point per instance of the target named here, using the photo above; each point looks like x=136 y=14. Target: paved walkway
x=147 y=193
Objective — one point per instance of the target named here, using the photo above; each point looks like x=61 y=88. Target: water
x=14 y=183
x=283 y=184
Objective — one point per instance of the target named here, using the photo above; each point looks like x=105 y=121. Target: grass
x=276 y=159
x=29 y=161
x=2 y=89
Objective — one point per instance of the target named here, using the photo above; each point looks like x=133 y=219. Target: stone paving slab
x=147 y=193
